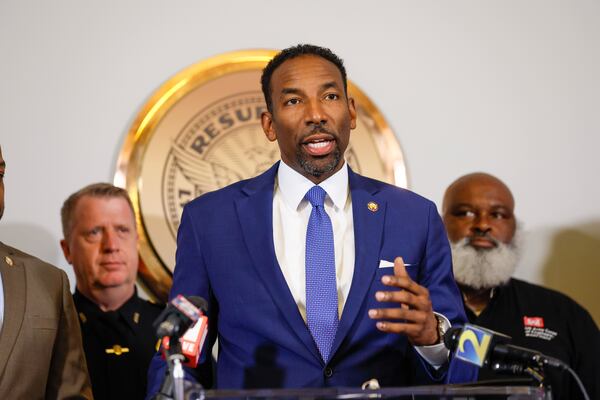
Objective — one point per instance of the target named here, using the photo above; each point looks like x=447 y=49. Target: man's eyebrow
x=458 y=205
x=290 y=90
x=329 y=85
x=293 y=90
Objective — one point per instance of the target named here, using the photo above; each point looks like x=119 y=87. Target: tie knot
x=316 y=196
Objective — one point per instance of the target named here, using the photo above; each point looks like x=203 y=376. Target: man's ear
x=352 y=110
x=266 y=119
x=65 y=248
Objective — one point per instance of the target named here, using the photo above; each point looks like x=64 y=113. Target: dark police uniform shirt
x=552 y=323
x=118 y=346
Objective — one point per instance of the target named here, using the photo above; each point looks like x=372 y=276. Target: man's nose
x=481 y=225
x=315 y=114
x=110 y=241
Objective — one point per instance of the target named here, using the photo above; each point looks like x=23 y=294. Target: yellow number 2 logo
x=480 y=348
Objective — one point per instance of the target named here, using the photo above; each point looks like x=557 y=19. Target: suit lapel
x=368 y=230
x=255 y=212
x=13 y=284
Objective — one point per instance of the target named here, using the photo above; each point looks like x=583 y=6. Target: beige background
x=507 y=87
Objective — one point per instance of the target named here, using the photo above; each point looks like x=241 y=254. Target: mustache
x=483 y=235
x=318 y=128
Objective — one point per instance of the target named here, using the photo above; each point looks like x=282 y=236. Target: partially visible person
x=41 y=356
x=478 y=211
x=101 y=243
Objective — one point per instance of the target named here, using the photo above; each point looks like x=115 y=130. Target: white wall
x=507 y=87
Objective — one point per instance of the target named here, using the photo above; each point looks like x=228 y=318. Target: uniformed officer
x=100 y=242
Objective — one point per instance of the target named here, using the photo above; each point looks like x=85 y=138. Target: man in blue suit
x=317 y=276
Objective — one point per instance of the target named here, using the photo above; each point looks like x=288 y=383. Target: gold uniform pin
x=372 y=206
x=9 y=261
x=136 y=317
x=117 y=350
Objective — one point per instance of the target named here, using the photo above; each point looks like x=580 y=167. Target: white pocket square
x=388 y=264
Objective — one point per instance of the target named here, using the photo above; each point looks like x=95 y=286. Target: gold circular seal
x=201 y=131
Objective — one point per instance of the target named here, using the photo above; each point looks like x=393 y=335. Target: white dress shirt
x=291 y=212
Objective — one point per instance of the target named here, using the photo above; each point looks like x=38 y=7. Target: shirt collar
x=127 y=310
x=293 y=186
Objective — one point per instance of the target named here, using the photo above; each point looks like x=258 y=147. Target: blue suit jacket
x=225 y=253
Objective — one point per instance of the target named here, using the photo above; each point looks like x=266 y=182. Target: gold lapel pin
x=136 y=317
x=9 y=261
x=82 y=317
x=372 y=206
x=117 y=350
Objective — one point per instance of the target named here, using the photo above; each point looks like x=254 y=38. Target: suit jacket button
x=328 y=372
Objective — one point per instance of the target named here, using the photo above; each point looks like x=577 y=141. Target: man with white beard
x=478 y=212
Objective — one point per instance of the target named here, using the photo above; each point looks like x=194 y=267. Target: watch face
x=201 y=131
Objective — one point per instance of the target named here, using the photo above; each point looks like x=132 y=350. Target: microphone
x=487 y=348
x=525 y=356
x=176 y=318
x=190 y=344
x=183 y=323
x=179 y=315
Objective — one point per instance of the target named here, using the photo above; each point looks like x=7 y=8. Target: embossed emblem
x=372 y=206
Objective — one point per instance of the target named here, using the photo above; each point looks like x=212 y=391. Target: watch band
x=441 y=328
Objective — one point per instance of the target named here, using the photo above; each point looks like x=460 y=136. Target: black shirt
x=551 y=323
x=118 y=346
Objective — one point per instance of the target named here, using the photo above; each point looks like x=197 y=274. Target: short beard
x=310 y=168
x=307 y=165
x=482 y=268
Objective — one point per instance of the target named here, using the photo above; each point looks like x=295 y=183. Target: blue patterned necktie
x=321 y=289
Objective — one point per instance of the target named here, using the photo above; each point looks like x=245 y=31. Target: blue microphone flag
x=475 y=343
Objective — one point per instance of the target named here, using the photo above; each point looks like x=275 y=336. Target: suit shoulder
x=226 y=194
x=396 y=193
x=31 y=263
x=229 y=194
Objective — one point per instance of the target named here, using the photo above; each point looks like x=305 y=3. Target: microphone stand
x=177 y=373
x=172 y=387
